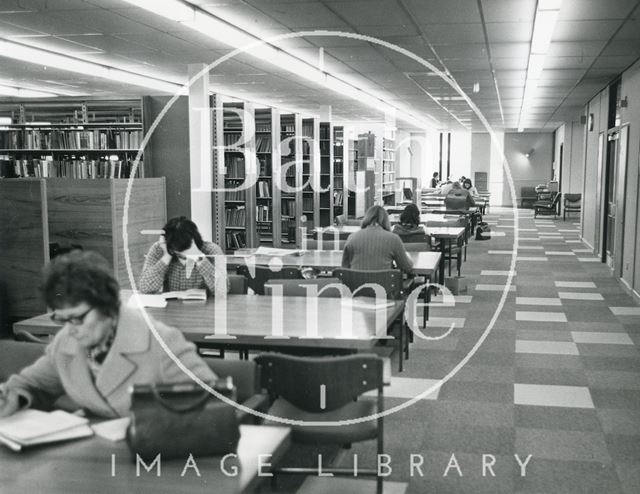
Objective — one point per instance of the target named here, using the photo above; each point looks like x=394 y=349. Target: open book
x=32 y=427
x=191 y=295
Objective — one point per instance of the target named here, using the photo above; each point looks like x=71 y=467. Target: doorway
x=614 y=187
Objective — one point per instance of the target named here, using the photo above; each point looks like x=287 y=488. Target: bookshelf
x=388 y=171
x=290 y=176
x=309 y=173
x=240 y=174
x=326 y=191
x=339 y=189
x=352 y=153
x=266 y=144
x=71 y=139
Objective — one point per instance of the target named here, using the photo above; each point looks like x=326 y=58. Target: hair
x=179 y=233
x=435 y=174
x=81 y=276
x=410 y=215
x=376 y=215
x=456 y=185
x=467 y=181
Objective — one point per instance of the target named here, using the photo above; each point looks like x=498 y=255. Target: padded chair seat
x=343 y=434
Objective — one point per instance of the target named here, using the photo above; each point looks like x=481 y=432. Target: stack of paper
x=31 y=427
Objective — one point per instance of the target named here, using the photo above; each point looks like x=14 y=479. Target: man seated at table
x=102 y=348
x=180 y=260
x=458 y=199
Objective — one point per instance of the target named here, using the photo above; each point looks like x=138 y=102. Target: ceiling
x=475 y=41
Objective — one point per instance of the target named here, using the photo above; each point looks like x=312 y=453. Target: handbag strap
x=179 y=408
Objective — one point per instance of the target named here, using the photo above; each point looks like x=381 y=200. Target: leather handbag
x=176 y=420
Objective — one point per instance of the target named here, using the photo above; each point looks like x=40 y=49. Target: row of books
x=263 y=144
x=307 y=204
x=288 y=128
x=325 y=131
x=233 y=139
x=236 y=216
x=78 y=169
x=338 y=167
x=235 y=166
x=338 y=197
x=288 y=207
x=70 y=139
x=236 y=240
x=263 y=213
x=264 y=189
x=264 y=166
x=234 y=195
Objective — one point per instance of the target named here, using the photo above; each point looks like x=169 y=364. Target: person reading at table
x=409 y=225
x=468 y=185
x=374 y=247
x=458 y=199
x=102 y=348
x=179 y=260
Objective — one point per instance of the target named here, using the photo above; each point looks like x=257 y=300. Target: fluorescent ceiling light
x=24 y=93
x=536 y=64
x=549 y=4
x=543 y=30
x=176 y=11
x=51 y=59
x=5 y=121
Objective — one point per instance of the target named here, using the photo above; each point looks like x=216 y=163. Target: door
x=614 y=197
x=599 y=227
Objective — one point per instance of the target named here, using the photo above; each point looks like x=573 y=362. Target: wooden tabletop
x=86 y=466
x=424 y=263
x=252 y=322
x=447 y=232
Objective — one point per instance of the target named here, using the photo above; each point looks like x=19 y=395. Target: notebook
x=191 y=295
x=32 y=427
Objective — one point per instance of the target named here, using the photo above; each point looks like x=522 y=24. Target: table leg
x=450 y=258
x=443 y=253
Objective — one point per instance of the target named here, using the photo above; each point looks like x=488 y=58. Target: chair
x=391 y=281
x=326 y=389
x=263 y=273
x=547 y=206
x=572 y=204
x=237 y=284
x=326 y=244
x=246 y=378
x=297 y=288
x=15 y=355
x=528 y=196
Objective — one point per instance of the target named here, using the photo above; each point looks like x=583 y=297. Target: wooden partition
x=88 y=213
x=24 y=245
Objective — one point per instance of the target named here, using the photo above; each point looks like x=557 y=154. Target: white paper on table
x=271 y=251
x=113 y=430
x=147 y=300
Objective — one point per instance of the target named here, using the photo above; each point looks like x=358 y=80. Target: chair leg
x=401 y=349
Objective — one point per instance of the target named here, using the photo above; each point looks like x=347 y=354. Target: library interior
x=311 y=246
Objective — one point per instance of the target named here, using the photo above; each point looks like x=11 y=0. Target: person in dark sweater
x=458 y=199
x=374 y=247
x=435 y=180
x=409 y=222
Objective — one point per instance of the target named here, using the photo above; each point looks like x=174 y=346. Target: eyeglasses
x=75 y=320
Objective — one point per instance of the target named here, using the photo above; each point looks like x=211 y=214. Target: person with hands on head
x=180 y=260
x=102 y=348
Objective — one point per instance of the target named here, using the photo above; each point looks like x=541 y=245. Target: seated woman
x=409 y=225
x=180 y=260
x=374 y=247
x=468 y=185
x=102 y=348
x=458 y=199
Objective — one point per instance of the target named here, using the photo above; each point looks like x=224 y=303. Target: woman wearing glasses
x=102 y=348
x=180 y=260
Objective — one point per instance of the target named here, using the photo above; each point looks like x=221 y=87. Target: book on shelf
x=263 y=144
x=263 y=213
x=235 y=166
x=264 y=189
x=236 y=240
x=32 y=427
x=236 y=217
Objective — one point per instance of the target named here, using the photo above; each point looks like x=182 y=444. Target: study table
x=424 y=263
x=303 y=325
x=85 y=466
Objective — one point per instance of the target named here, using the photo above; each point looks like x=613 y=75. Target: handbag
x=176 y=420
x=482 y=229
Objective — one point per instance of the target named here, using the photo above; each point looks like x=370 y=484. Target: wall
x=480 y=154
x=631 y=115
x=403 y=155
x=167 y=152
x=525 y=171
x=460 y=154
